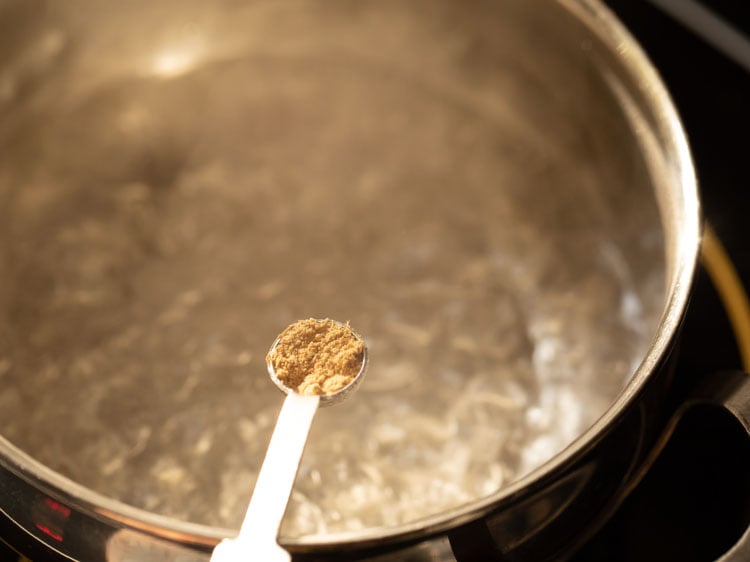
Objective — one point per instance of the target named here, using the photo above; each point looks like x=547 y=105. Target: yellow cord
x=731 y=292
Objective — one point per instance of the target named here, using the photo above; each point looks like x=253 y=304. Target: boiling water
x=158 y=234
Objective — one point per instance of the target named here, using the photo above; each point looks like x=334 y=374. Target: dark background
x=695 y=501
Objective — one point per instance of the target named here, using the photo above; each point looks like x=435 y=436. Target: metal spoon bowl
x=325 y=399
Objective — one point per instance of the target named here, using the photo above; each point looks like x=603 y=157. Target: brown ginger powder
x=317 y=356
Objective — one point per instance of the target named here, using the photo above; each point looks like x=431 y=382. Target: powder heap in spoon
x=317 y=356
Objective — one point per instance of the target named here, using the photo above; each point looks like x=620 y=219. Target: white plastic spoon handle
x=274 y=485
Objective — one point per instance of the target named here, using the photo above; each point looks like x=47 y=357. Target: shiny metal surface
x=176 y=182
